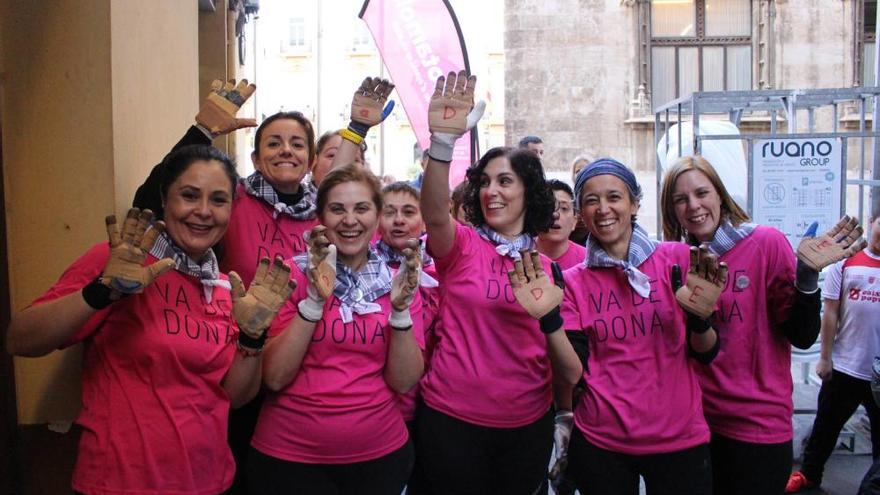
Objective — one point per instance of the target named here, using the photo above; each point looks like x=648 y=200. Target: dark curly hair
x=539 y=201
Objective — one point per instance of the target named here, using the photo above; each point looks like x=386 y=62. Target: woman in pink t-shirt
x=770 y=304
x=339 y=352
x=274 y=207
x=640 y=413
x=160 y=368
x=486 y=422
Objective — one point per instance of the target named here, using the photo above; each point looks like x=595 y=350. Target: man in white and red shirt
x=850 y=340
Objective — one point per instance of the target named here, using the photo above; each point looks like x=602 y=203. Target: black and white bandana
x=726 y=237
x=504 y=246
x=256 y=185
x=357 y=291
x=207 y=270
x=641 y=246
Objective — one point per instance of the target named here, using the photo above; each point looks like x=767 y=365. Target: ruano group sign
x=797 y=182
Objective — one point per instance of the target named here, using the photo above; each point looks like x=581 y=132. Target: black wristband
x=97 y=295
x=407 y=329
x=248 y=342
x=552 y=321
x=306 y=319
x=359 y=128
x=698 y=325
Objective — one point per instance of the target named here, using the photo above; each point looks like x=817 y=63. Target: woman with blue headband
x=640 y=414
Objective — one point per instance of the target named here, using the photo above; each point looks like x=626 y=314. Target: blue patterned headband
x=606 y=166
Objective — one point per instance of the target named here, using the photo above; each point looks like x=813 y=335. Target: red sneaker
x=797 y=482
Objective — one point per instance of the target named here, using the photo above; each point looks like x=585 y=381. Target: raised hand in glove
x=321 y=274
x=705 y=281
x=125 y=272
x=404 y=285
x=222 y=104
x=368 y=106
x=452 y=112
x=255 y=309
x=842 y=241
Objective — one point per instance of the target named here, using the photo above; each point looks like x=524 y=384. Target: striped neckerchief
x=206 y=270
x=257 y=186
x=505 y=246
x=357 y=291
x=641 y=246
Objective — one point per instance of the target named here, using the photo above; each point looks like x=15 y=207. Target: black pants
x=460 y=458
x=602 y=472
x=415 y=485
x=743 y=468
x=386 y=475
x=839 y=398
x=242 y=422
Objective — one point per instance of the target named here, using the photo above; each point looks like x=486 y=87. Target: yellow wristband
x=351 y=136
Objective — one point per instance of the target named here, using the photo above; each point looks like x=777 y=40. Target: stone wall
x=571 y=71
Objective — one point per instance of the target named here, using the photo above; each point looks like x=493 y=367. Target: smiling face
x=282 y=154
x=502 y=197
x=607 y=211
x=351 y=218
x=697 y=205
x=197 y=207
x=401 y=219
x=564 y=219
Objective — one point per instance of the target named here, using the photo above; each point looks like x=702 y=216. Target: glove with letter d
x=452 y=113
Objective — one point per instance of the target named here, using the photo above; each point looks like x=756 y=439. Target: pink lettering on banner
x=417 y=45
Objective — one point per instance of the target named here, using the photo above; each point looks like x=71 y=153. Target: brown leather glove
x=125 y=272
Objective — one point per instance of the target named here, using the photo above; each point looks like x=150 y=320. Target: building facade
x=585 y=75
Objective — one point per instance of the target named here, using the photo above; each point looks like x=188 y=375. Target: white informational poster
x=796 y=182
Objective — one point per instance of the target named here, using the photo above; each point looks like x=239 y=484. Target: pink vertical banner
x=419 y=41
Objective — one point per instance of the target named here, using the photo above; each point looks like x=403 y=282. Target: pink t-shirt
x=747 y=388
x=253 y=234
x=154 y=412
x=490 y=365
x=573 y=256
x=642 y=396
x=338 y=408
